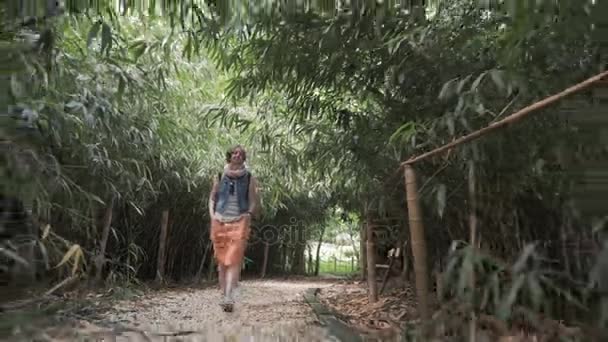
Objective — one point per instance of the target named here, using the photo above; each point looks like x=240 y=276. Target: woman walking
x=232 y=202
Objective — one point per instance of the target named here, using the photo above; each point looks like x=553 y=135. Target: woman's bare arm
x=214 y=189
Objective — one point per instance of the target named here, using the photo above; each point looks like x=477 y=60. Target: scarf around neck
x=234 y=173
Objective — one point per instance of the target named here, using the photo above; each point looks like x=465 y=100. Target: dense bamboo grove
x=115 y=113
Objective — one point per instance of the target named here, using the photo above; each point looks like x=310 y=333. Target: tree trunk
x=160 y=273
x=265 y=262
x=318 y=261
x=105 y=233
x=418 y=242
x=371 y=261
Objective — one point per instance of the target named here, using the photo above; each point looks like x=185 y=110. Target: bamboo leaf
x=14 y=256
x=441 y=199
x=74 y=249
x=45 y=232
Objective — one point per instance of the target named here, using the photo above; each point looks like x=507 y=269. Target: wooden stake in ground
x=160 y=270
x=105 y=233
x=371 y=260
x=418 y=242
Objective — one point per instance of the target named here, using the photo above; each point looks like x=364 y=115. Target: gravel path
x=269 y=310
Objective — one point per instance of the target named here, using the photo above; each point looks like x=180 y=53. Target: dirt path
x=270 y=310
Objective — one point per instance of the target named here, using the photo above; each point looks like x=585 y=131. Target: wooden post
x=265 y=263
x=105 y=233
x=418 y=242
x=371 y=260
x=160 y=270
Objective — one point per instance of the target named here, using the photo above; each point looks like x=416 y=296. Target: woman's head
x=236 y=155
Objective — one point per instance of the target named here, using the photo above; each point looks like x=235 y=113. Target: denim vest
x=241 y=186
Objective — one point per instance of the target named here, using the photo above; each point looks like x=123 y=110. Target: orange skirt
x=229 y=241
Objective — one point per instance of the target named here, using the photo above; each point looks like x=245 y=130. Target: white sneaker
x=227 y=304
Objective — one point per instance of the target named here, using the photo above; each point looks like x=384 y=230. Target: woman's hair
x=234 y=148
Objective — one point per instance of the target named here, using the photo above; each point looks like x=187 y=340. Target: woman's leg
x=232 y=277
x=235 y=256
x=221 y=274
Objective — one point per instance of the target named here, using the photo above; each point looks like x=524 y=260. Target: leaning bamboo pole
x=513 y=118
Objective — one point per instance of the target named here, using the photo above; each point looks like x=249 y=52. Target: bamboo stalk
x=513 y=118
x=419 y=250
x=212 y=267
x=363 y=252
x=107 y=223
x=199 y=273
x=473 y=239
x=160 y=273
x=265 y=263
x=371 y=260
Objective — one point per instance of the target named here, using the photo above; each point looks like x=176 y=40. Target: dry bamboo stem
x=418 y=242
x=387 y=275
x=513 y=118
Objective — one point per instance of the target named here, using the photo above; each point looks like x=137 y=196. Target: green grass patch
x=340 y=267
